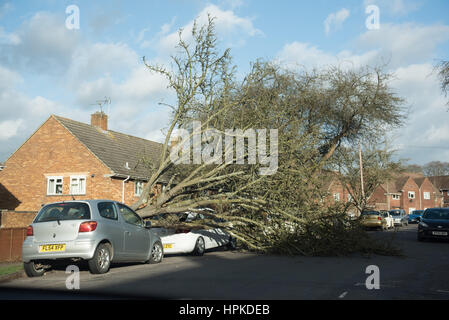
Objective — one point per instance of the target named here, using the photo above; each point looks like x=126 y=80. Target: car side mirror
x=148 y=224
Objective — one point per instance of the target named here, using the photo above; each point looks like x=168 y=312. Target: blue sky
x=45 y=68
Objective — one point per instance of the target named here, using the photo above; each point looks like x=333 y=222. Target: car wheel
x=101 y=261
x=232 y=244
x=199 y=247
x=33 y=269
x=157 y=253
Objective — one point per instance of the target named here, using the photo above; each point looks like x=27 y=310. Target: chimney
x=99 y=119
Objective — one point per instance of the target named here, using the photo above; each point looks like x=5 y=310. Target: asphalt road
x=421 y=274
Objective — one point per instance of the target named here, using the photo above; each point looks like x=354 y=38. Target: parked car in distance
x=400 y=217
x=373 y=219
x=98 y=231
x=434 y=224
x=415 y=216
x=182 y=240
x=387 y=216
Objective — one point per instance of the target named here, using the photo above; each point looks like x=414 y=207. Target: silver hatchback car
x=99 y=231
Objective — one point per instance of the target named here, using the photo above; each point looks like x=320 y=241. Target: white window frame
x=411 y=195
x=337 y=196
x=426 y=195
x=53 y=191
x=138 y=186
x=77 y=178
x=396 y=197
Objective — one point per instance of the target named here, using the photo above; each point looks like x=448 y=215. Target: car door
x=136 y=237
x=113 y=226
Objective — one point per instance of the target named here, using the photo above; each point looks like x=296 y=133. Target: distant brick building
x=406 y=192
x=65 y=159
x=442 y=184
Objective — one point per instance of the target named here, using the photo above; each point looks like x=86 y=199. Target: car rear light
x=88 y=226
x=379 y=218
x=30 y=231
x=182 y=231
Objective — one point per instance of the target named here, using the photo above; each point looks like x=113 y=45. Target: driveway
x=421 y=274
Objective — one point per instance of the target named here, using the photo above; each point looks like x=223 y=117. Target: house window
x=336 y=196
x=349 y=197
x=411 y=194
x=426 y=195
x=396 y=197
x=138 y=188
x=54 y=185
x=78 y=185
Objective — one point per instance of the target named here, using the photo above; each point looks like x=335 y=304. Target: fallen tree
x=254 y=149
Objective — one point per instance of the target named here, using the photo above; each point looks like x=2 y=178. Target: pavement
x=420 y=274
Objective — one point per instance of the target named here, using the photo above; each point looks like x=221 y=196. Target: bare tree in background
x=443 y=73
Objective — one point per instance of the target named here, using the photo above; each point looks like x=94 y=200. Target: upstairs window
x=78 y=185
x=54 y=186
x=138 y=188
x=396 y=197
x=426 y=195
x=337 y=196
x=411 y=194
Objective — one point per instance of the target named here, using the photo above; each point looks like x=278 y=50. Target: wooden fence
x=11 y=240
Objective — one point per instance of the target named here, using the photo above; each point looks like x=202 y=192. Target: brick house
x=442 y=184
x=66 y=159
x=405 y=192
x=335 y=191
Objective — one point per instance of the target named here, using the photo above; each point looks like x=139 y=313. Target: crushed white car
x=193 y=241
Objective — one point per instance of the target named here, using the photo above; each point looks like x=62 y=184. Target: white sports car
x=193 y=241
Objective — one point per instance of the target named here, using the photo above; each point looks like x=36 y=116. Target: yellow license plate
x=168 y=245
x=52 y=248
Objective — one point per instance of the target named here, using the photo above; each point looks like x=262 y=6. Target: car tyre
x=200 y=247
x=157 y=253
x=232 y=244
x=101 y=261
x=33 y=269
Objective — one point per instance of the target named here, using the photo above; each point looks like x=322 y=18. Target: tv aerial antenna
x=102 y=103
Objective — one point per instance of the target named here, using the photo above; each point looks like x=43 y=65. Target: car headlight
x=423 y=224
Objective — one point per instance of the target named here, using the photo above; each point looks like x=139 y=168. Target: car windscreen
x=370 y=213
x=436 y=214
x=395 y=213
x=64 y=211
x=418 y=212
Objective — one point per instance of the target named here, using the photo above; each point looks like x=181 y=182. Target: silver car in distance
x=99 y=231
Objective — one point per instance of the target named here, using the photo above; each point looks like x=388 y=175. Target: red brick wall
x=14 y=219
x=407 y=203
x=378 y=200
x=427 y=186
x=54 y=151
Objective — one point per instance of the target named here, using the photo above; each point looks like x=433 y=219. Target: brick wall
x=406 y=202
x=16 y=219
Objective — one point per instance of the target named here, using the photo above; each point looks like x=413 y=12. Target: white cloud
x=9 y=128
x=41 y=44
x=336 y=20
x=425 y=127
x=298 y=54
x=404 y=44
x=232 y=29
